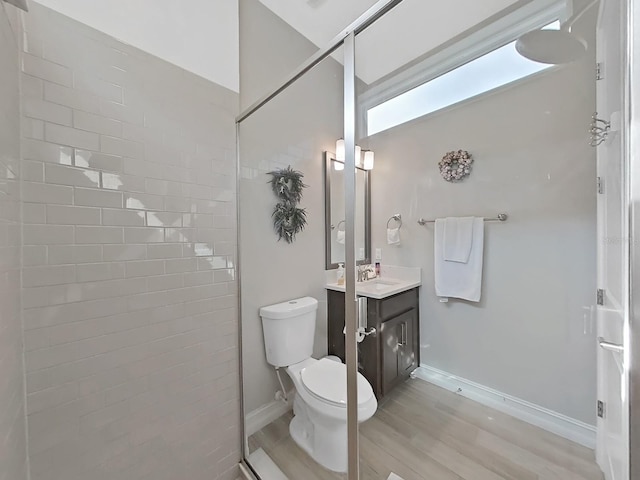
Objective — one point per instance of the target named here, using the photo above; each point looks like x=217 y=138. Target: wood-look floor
x=425 y=432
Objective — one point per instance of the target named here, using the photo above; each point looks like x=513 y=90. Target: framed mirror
x=334 y=213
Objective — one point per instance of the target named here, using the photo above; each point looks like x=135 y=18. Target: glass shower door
x=498 y=380
x=282 y=261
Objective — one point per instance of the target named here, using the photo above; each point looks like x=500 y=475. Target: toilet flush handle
x=612 y=347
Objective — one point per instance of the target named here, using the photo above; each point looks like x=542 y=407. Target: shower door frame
x=345 y=38
x=631 y=123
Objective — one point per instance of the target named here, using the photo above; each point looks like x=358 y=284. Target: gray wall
x=130 y=250
x=270 y=50
x=532 y=160
x=293 y=129
x=13 y=453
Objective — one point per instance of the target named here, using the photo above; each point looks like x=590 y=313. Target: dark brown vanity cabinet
x=387 y=357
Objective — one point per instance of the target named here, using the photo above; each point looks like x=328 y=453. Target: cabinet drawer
x=397 y=304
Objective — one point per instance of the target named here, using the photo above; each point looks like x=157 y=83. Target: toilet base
x=325 y=442
x=300 y=435
x=319 y=427
x=336 y=461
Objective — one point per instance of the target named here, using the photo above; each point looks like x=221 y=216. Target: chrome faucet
x=366 y=272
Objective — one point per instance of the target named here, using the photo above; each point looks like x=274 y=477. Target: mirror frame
x=328 y=157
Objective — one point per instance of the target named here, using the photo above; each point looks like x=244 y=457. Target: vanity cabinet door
x=407 y=350
x=390 y=332
x=399 y=358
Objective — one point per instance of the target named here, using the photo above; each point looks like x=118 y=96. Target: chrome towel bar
x=502 y=217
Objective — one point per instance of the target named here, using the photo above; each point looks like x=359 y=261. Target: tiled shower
x=129 y=298
x=13 y=455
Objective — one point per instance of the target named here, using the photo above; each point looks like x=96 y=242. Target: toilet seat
x=327 y=381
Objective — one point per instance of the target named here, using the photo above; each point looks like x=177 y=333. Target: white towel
x=458 y=237
x=454 y=279
x=393 y=236
x=340 y=237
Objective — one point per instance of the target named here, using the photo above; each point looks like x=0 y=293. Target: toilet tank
x=289 y=328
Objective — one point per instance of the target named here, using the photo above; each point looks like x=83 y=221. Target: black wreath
x=455 y=165
x=287 y=184
x=288 y=219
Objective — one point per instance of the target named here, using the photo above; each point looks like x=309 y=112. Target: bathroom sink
x=376 y=284
x=381 y=287
x=382 y=282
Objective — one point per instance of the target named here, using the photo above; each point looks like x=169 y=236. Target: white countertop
x=393 y=280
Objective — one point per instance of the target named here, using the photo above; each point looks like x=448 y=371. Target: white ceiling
x=410 y=30
x=203 y=38
x=199 y=35
x=319 y=20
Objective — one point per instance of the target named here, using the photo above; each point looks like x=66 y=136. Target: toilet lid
x=327 y=380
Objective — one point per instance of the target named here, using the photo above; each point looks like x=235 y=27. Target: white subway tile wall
x=130 y=297
x=13 y=443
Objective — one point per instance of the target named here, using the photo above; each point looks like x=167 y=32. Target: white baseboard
x=264 y=415
x=554 y=422
x=265 y=467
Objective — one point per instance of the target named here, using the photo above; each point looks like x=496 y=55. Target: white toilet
x=319 y=425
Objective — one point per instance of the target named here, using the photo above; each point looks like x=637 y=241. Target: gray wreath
x=455 y=165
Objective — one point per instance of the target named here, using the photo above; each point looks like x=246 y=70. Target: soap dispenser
x=340 y=274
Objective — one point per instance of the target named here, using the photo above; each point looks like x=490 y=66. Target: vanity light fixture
x=367 y=163
x=340 y=151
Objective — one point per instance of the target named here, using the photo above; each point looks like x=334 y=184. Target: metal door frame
x=631 y=121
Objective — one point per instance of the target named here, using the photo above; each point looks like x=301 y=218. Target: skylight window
x=488 y=72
